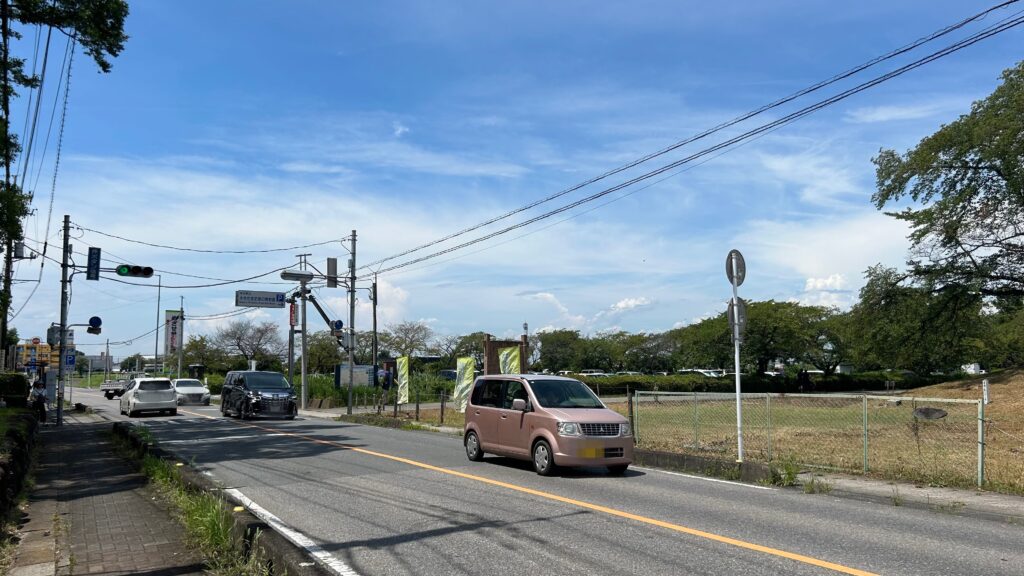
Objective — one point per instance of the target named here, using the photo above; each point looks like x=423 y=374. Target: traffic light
x=136 y=271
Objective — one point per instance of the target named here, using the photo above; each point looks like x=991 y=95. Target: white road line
x=720 y=481
x=294 y=536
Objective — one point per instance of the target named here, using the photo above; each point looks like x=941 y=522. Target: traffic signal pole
x=63 y=319
x=351 y=320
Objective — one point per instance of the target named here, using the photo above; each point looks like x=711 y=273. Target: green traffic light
x=124 y=270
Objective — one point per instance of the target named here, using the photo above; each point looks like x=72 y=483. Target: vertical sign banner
x=172 y=331
x=508 y=360
x=403 y=380
x=465 y=372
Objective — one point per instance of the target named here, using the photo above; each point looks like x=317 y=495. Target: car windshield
x=155 y=385
x=564 y=394
x=188 y=384
x=266 y=381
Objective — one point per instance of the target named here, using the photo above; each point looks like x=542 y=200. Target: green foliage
x=966 y=184
x=559 y=350
x=324 y=353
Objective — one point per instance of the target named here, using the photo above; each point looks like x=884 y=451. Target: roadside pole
x=351 y=321
x=181 y=332
x=305 y=349
x=291 y=340
x=63 y=319
x=159 y=325
x=374 y=295
x=736 y=271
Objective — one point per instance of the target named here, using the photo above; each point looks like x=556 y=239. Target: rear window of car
x=487 y=393
x=155 y=385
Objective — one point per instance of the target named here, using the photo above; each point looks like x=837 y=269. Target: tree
x=968 y=178
x=324 y=353
x=829 y=343
x=250 y=341
x=97 y=26
x=407 y=338
x=446 y=347
x=202 y=350
x=705 y=344
x=559 y=350
x=133 y=363
x=471 y=345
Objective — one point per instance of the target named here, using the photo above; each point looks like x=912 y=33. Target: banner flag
x=403 y=380
x=172 y=332
x=508 y=360
x=465 y=372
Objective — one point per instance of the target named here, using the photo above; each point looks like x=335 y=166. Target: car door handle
x=504 y=416
x=477 y=413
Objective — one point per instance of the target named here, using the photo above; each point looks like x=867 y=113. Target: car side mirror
x=519 y=404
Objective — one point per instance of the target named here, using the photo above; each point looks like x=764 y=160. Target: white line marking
x=720 y=481
x=294 y=536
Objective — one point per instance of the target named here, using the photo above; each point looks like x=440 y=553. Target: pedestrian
x=38 y=400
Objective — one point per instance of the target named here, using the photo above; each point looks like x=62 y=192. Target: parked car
x=549 y=420
x=149 y=395
x=191 y=391
x=250 y=393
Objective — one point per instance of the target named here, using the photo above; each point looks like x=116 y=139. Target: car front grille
x=275 y=405
x=599 y=429
x=194 y=397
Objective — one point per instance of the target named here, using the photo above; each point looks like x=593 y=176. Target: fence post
x=768 y=409
x=864 y=401
x=696 y=422
x=417 y=405
x=632 y=417
x=396 y=403
x=444 y=397
x=981 y=443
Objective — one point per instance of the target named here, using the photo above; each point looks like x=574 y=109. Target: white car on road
x=149 y=395
x=191 y=391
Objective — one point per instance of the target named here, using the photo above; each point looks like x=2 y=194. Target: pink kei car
x=549 y=420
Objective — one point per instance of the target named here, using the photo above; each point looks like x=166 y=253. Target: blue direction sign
x=260 y=299
x=69 y=360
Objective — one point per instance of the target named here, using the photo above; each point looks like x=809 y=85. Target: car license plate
x=590 y=451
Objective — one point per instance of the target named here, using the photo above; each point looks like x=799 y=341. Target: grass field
x=829 y=432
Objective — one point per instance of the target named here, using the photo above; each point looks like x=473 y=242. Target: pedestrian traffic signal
x=136 y=271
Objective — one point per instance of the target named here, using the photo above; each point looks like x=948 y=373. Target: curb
x=283 y=557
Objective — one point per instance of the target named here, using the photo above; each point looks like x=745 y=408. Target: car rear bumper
x=594 y=451
x=151 y=406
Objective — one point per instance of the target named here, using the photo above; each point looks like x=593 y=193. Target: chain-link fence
x=436 y=408
x=916 y=439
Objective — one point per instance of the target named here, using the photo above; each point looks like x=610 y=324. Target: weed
x=144 y=433
x=785 y=473
x=897 y=499
x=816 y=486
x=951 y=507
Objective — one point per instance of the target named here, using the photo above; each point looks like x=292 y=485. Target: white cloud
x=630 y=303
x=890 y=113
x=399 y=129
x=832 y=282
x=821 y=180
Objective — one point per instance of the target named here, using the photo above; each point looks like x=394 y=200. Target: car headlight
x=625 y=429
x=569 y=429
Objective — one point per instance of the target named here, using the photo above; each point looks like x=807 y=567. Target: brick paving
x=108 y=521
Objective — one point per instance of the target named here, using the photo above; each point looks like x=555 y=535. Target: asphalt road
x=385 y=501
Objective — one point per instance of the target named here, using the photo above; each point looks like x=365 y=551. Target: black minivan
x=250 y=393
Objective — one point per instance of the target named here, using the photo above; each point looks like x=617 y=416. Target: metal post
x=351 y=320
x=106 y=363
x=305 y=349
x=291 y=342
x=374 y=293
x=396 y=403
x=417 y=405
x=981 y=443
x=696 y=422
x=63 y=319
x=768 y=409
x=865 y=403
x=444 y=396
x=736 y=352
x=629 y=409
x=156 y=340
x=181 y=332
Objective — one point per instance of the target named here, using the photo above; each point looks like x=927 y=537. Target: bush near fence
x=14 y=389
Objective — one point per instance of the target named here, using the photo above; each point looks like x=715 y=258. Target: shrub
x=14 y=389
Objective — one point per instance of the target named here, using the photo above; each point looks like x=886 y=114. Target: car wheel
x=207 y=403
x=293 y=413
x=174 y=412
x=109 y=396
x=618 y=469
x=543 y=459
x=473 y=451
x=245 y=412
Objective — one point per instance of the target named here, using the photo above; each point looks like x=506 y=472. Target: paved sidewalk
x=92 y=513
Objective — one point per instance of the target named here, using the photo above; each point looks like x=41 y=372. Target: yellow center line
x=573 y=502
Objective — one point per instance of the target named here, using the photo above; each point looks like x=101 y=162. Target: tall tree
x=203 y=350
x=324 y=353
x=966 y=182
x=251 y=341
x=96 y=25
x=559 y=350
x=407 y=338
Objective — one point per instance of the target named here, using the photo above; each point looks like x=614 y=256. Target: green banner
x=403 y=380
x=508 y=360
x=465 y=372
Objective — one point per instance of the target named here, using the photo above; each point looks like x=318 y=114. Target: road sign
x=741 y=267
x=338 y=324
x=252 y=298
x=95 y=322
x=92 y=272
x=737 y=315
x=69 y=360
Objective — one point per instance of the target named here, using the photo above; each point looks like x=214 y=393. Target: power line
x=998 y=28
x=704 y=134
x=205 y=251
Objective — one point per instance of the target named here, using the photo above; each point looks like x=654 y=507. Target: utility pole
x=291 y=340
x=305 y=348
x=351 y=320
x=106 y=363
x=156 y=341
x=181 y=332
x=374 y=292
x=63 y=315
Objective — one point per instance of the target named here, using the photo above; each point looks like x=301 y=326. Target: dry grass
x=828 y=433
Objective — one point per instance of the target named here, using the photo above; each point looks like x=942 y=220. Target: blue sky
x=256 y=125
